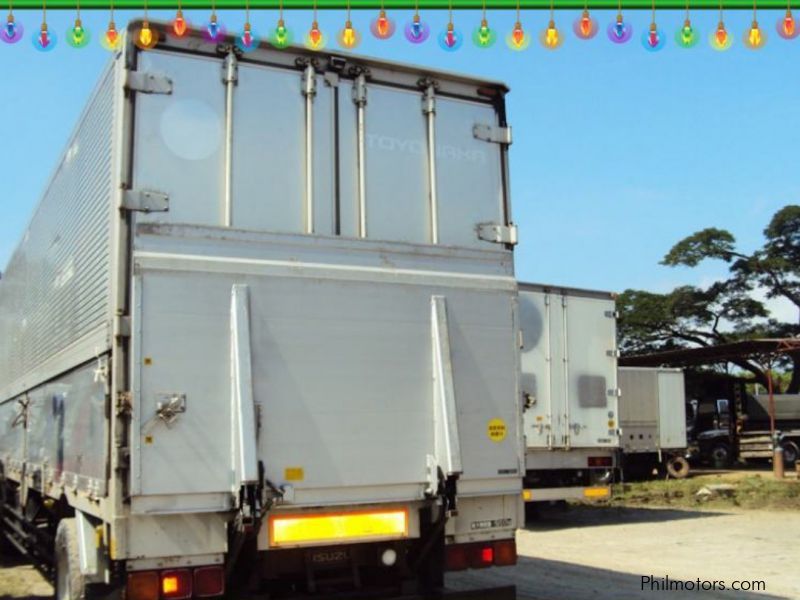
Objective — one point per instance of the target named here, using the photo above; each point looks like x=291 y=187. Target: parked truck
x=728 y=423
x=652 y=416
x=570 y=392
x=262 y=331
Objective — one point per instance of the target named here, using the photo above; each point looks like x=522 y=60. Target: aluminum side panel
x=55 y=291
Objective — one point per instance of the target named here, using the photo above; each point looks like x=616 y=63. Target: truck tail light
x=456 y=557
x=176 y=585
x=481 y=555
x=600 y=461
x=143 y=586
x=209 y=582
x=505 y=553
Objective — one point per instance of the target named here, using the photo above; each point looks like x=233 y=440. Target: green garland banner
x=401 y=4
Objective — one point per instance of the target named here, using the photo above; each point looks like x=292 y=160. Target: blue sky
x=617 y=152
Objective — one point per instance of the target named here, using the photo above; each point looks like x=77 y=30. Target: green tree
x=725 y=311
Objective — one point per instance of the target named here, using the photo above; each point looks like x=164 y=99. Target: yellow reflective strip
x=305 y=528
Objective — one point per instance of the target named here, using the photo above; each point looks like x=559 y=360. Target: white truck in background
x=652 y=414
x=570 y=392
x=262 y=330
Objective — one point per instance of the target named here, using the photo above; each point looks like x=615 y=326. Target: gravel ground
x=584 y=553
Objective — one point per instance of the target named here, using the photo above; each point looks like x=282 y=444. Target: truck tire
x=790 y=453
x=678 y=467
x=721 y=456
x=70 y=583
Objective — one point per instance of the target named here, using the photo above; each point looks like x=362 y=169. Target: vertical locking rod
x=229 y=78
x=360 y=99
x=429 y=110
x=309 y=91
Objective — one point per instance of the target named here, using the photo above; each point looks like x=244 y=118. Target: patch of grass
x=751 y=492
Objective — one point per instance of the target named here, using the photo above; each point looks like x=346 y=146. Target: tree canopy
x=726 y=311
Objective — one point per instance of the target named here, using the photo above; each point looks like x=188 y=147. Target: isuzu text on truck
x=262 y=330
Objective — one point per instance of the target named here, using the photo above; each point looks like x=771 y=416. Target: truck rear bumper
x=567 y=493
x=508 y=592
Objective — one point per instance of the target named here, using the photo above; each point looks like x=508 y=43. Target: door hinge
x=147 y=83
x=124 y=404
x=498 y=234
x=492 y=133
x=612 y=314
x=145 y=201
x=615 y=393
x=613 y=353
x=122 y=326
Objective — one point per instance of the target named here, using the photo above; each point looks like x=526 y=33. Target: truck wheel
x=721 y=456
x=790 y=453
x=678 y=467
x=70 y=584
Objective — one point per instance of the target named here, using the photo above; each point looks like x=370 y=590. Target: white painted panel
x=672 y=409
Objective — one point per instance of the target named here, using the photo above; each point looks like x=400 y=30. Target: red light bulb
x=315 y=35
x=586 y=24
x=111 y=34
x=789 y=24
x=179 y=24
x=382 y=23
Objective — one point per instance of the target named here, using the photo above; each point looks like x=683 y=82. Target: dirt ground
x=582 y=553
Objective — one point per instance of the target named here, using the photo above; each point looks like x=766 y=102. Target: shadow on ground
x=550 y=518
x=539 y=579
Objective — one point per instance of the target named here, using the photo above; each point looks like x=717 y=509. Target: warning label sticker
x=294 y=474
x=496 y=430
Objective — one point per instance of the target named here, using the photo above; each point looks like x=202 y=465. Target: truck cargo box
x=652 y=409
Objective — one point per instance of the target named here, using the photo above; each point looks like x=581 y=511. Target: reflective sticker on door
x=497 y=430
x=294 y=474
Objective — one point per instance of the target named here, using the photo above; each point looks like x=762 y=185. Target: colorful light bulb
x=416 y=31
x=179 y=24
x=551 y=37
x=754 y=38
x=348 y=37
x=382 y=27
x=315 y=40
x=619 y=31
x=518 y=39
x=653 y=38
x=787 y=27
x=111 y=38
x=78 y=36
x=248 y=40
x=450 y=39
x=585 y=27
x=280 y=37
x=214 y=30
x=147 y=37
x=484 y=36
x=687 y=37
x=44 y=40
x=721 y=40
x=12 y=32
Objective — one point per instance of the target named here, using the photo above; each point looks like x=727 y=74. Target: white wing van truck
x=571 y=396
x=261 y=333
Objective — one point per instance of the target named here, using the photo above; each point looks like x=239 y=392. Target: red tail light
x=481 y=555
x=600 y=461
x=142 y=586
x=177 y=584
x=456 y=557
x=209 y=582
x=505 y=553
